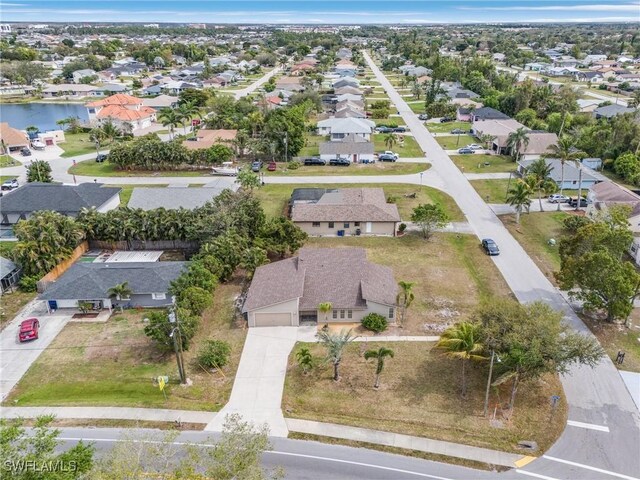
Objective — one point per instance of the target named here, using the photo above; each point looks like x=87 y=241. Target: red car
x=29 y=329
x=272 y=166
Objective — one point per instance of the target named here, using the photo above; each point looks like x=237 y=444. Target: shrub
x=375 y=322
x=573 y=223
x=28 y=283
x=402 y=227
x=293 y=165
x=392 y=199
x=194 y=299
x=214 y=354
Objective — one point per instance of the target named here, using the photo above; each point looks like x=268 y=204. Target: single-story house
x=339 y=128
x=78 y=75
x=588 y=76
x=121 y=109
x=292 y=84
x=90 y=283
x=349 y=112
x=604 y=195
x=346 y=82
x=572 y=174
x=9 y=274
x=488 y=113
x=161 y=101
x=288 y=292
x=344 y=212
x=538 y=144
x=610 y=111
x=12 y=139
x=348 y=97
x=65 y=199
x=173 y=198
x=352 y=147
x=592 y=163
x=207 y=138
x=348 y=89
x=499 y=129
x=71 y=90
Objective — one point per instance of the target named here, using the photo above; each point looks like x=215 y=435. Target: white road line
x=590 y=426
x=599 y=470
x=536 y=475
x=274 y=452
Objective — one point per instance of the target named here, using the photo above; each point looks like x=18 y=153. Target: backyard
x=311 y=145
x=114 y=363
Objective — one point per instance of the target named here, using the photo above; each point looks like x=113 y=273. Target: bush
x=293 y=165
x=375 y=322
x=28 y=283
x=402 y=227
x=392 y=199
x=214 y=354
x=194 y=299
x=573 y=223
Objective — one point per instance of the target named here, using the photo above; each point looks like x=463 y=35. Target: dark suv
x=573 y=202
x=490 y=247
x=314 y=161
x=340 y=162
x=385 y=157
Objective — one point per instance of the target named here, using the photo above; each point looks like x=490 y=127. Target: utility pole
x=177 y=343
x=486 y=393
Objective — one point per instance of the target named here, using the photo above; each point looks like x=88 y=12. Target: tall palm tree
x=405 y=298
x=169 y=117
x=518 y=140
x=390 y=140
x=120 y=291
x=325 y=307
x=462 y=341
x=519 y=197
x=109 y=131
x=486 y=139
x=539 y=178
x=335 y=343
x=187 y=112
x=379 y=355
x=565 y=151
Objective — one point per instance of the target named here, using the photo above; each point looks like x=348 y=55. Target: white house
x=339 y=128
x=123 y=110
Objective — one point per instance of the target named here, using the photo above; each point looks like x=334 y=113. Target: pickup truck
x=340 y=162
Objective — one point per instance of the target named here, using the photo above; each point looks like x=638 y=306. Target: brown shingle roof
x=11 y=136
x=348 y=205
x=275 y=283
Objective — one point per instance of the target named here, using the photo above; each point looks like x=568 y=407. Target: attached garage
x=272 y=319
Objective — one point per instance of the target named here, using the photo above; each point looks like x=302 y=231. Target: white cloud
x=631 y=7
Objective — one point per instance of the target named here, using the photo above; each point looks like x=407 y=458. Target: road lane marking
x=536 y=475
x=526 y=460
x=595 y=469
x=590 y=426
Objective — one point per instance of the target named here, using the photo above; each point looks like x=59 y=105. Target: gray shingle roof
x=66 y=199
x=350 y=144
x=488 y=113
x=172 y=198
x=609 y=111
x=6 y=267
x=571 y=172
x=342 y=276
x=88 y=281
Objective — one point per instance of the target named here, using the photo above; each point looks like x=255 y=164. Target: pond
x=42 y=115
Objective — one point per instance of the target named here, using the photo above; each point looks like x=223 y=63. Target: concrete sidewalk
x=484 y=455
x=110 y=413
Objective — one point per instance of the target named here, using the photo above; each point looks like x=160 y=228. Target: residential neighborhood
x=387 y=249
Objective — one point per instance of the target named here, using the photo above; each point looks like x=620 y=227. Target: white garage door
x=273 y=319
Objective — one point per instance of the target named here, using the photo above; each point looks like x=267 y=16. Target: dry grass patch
x=11 y=304
x=614 y=338
x=420 y=395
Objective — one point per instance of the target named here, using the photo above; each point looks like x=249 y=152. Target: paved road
x=598 y=399
x=257 y=84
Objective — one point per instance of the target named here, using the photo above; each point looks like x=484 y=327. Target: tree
x=519 y=197
x=248 y=180
x=109 y=131
x=41 y=448
x=194 y=299
x=186 y=112
x=39 y=171
x=463 y=341
x=429 y=217
x=565 y=151
x=517 y=141
x=628 y=167
x=214 y=354
x=281 y=236
x=405 y=298
x=252 y=258
x=305 y=359
x=160 y=329
x=169 y=117
x=325 y=308
x=380 y=356
x=121 y=291
x=486 y=139
x=538 y=177
x=335 y=344
x=390 y=140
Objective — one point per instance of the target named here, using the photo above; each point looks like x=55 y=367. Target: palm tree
x=519 y=197
x=390 y=140
x=305 y=359
x=518 y=140
x=380 y=355
x=539 y=178
x=405 y=298
x=325 y=307
x=565 y=151
x=109 y=131
x=462 y=341
x=486 y=139
x=168 y=117
x=335 y=343
x=187 y=111
x=120 y=291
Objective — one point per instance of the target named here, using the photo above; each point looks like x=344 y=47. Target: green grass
x=378 y=168
x=6 y=248
x=447 y=127
x=91 y=168
x=454 y=142
x=4 y=178
x=12 y=303
x=411 y=149
x=311 y=145
x=8 y=161
x=390 y=121
x=491 y=191
x=417 y=107
x=274 y=197
x=477 y=163
x=127 y=190
x=77 y=144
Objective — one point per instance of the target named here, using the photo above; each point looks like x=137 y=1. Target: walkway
x=597 y=397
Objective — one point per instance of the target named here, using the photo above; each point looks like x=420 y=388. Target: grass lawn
x=92 y=168
x=6 y=248
x=477 y=163
x=311 y=145
x=447 y=127
x=392 y=121
x=274 y=197
x=614 y=338
x=4 y=178
x=492 y=191
x=417 y=107
x=77 y=144
x=454 y=142
x=378 y=168
x=8 y=161
x=419 y=395
x=127 y=190
x=408 y=149
x=12 y=303
x=113 y=364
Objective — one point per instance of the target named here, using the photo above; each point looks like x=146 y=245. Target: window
x=357 y=224
x=316 y=224
x=330 y=224
x=341 y=313
x=346 y=224
x=335 y=314
x=349 y=313
x=159 y=296
x=391 y=312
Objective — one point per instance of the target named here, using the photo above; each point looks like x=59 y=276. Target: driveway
x=603 y=433
x=16 y=357
x=257 y=389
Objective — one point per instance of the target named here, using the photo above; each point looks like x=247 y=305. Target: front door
x=368 y=227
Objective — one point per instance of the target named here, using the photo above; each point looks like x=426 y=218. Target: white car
x=38 y=145
x=474 y=146
x=557 y=198
x=395 y=155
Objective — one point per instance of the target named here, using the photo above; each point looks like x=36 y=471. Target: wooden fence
x=62 y=267
x=189 y=247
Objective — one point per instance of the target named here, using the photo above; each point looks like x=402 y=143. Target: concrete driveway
x=16 y=357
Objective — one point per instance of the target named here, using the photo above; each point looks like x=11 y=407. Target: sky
x=400 y=12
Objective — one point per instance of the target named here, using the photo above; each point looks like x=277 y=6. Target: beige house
x=289 y=292
x=12 y=139
x=344 y=212
x=604 y=195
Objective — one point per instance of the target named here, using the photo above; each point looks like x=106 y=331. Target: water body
x=42 y=115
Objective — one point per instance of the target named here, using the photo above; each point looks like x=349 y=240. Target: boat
x=227 y=168
x=38 y=145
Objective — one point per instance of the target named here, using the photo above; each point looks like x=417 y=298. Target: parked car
x=25 y=152
x=101 y=157
x=340 y=162
x=394 y=154
x=474 y=146
x=38 y=145
x=10 y=184
x=29 y=329
x=458 y=131
x=383 y=157
x=573 y=202
x=446 y=119
x=557 y=198
x=256 y=166
x=272 y=166
x=384 y=129
x=465 y=151
x=490 y=247
x=423 y=117
x=314 y=161
x=400 y=129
